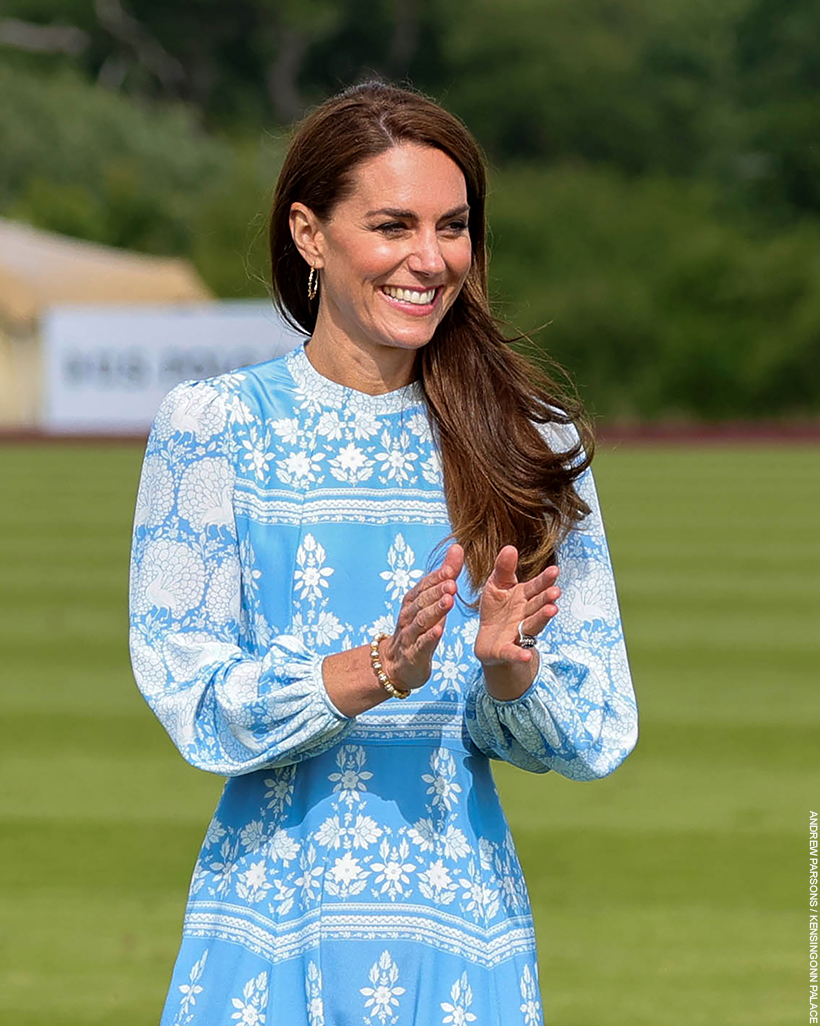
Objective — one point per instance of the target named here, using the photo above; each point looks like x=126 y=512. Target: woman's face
x=394 y=254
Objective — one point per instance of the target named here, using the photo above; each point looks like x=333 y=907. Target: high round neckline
x=320 y=389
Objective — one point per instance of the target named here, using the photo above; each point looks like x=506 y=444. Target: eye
x=391 y=227
x=457 y=227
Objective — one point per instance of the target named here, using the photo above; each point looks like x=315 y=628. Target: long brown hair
x=503 y=483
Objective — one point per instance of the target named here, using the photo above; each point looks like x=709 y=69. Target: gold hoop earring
x=313 y=284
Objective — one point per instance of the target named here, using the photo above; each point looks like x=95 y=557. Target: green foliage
x=89 y=163
x=657 y=183
x=656 y=302
x=579 y=85
x=729 y=89
x=778 y=80
x=245 y=61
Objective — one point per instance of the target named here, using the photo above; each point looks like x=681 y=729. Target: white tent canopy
x=40 y=270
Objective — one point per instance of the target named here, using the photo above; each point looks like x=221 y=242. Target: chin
x=412 y=338
x=398 y=342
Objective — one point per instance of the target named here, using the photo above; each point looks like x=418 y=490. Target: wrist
x=381 y=657
x=506 y=681
x=350 y=682
x=385 y=650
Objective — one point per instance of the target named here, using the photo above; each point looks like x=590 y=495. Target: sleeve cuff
x=318 y=682
x=509 y=703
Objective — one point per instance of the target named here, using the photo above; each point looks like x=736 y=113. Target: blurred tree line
x=656 y=166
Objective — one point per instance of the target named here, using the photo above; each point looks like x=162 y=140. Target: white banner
x=106 y=369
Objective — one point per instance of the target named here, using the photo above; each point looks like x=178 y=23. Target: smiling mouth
x=414 y=296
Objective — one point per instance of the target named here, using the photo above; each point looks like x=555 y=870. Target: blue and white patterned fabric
x=357 y=870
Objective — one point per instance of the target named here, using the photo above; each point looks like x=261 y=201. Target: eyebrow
x=408 y=215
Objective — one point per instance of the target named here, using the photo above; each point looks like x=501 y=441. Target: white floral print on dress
x=191 y=990
x=397 y=461
x=443 y=788
x=352 y=778
x=224 y=867
x=310 y=881
x=253 y=885
x=155 y=498
x=257 y=453
x=346 y=877
x=205 y=496
x=383 y=996
x=251 y=1008
x=400 y=577
x=393 y=872
x=313 y=992
x=351 y=465
x=530 y=1005
x=450 y=670
x=457 y=1008
x=280 y=789
x=312 y=576
x=436 y=884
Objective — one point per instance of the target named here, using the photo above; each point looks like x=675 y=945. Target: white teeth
x=410 y=295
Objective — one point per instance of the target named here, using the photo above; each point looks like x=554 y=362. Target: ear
x=306 y=231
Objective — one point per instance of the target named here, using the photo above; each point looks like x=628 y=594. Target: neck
x=366 y=367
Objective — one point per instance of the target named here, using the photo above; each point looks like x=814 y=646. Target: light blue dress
x=357 y=870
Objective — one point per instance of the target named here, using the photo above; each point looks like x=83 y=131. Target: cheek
x=378 y=259
x=463 y=259
x=465 y=262
x=354 y=257
x=369 y=258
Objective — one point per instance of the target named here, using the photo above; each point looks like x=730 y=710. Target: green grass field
x=674 y=892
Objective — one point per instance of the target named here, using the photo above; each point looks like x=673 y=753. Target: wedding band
x=525 y=640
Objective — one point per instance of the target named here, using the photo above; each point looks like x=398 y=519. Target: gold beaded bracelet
x=384 y=680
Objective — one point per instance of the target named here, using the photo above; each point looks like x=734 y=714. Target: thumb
x=503 y=575
x=454 y=559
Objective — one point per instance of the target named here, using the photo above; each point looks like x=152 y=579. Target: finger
x=431 y=615
x=536 y=623
x=433 y=585
x=420 y=598
x=422 y=644
x=449 y=570
x=512 y=653
x=503 y=575
x=549 y=596
x=427 y=642
x=427 y=599
x=545 y=579
x=428 y=596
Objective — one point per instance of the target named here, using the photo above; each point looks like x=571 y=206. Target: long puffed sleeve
x=228 y=710
x=579 y=715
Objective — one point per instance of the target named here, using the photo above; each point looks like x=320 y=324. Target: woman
x=301 y=625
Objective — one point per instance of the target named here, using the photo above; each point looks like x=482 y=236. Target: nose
x=426 y=256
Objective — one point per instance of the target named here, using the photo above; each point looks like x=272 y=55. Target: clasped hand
x=505 y=601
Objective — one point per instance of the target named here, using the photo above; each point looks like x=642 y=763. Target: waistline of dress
x=417 y=723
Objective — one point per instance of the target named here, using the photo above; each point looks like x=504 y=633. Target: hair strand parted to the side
x=503 y=483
